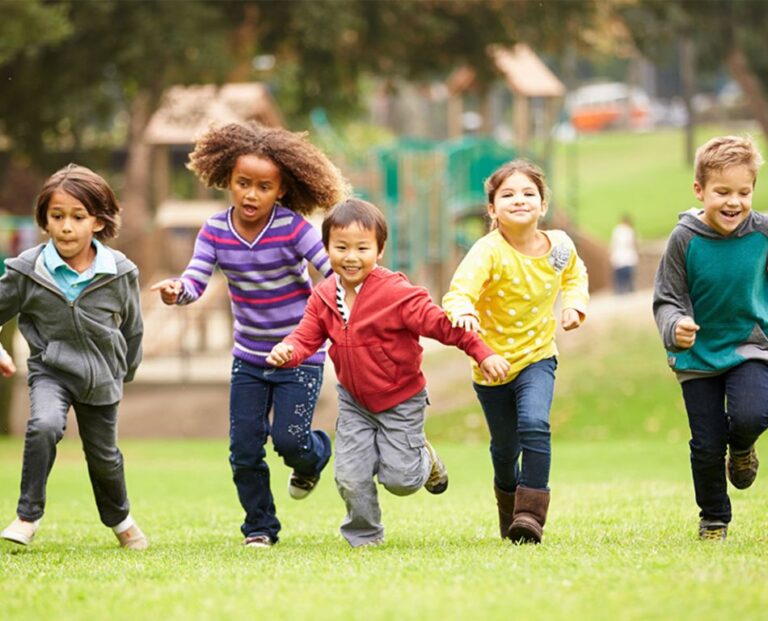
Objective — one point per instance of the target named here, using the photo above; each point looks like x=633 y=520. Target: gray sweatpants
x=97 y=424
x=389 y=444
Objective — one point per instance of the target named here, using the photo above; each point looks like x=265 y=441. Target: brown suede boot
x=531 y=507
x=505 y=501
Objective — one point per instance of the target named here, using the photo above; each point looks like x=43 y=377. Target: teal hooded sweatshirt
x=720 y=281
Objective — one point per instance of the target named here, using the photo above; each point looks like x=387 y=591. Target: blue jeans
x=518 y=418
x=253 y=392
x=744 y=390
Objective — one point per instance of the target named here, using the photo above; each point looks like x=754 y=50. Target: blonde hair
x=309 y=178
x=724 y=152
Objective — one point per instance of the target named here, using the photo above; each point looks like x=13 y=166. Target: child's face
x=517 y=203
x=71 y=228
x=726 y=197
x=255 y=184
x=353 y=253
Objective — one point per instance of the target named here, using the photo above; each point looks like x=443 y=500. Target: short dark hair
x=88 y=188
x=356 y=211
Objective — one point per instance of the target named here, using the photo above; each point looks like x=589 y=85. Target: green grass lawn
x=601 y=176
x=620 y=541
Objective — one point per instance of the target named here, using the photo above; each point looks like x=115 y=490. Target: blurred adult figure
x=624 y=256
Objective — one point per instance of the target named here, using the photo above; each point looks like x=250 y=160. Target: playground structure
x=431 y=193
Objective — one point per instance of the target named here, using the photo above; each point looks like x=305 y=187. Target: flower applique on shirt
x=559 y=257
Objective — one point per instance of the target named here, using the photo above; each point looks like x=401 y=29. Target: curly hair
x=310 y=179
x=88 y=188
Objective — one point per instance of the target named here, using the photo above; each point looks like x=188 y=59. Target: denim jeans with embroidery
x=292 y=393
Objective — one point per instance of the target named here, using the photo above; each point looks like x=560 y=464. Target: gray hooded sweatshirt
x=90 y=345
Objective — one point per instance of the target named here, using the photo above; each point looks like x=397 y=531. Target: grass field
x=620 y=541
x=601 y=176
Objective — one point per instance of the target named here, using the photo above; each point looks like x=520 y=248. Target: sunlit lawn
x=620 y=542
x=598 y=177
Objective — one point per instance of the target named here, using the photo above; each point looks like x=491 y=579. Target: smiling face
x=255 y=185
x=353 y=253
x=726 y=197
x=71 y=228
x=517 y=203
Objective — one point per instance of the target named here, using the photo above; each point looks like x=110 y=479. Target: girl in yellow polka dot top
x=506 y=288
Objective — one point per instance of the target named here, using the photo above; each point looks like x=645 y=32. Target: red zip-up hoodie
x=376 y=354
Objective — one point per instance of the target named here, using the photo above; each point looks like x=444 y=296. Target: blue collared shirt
x=70 y=281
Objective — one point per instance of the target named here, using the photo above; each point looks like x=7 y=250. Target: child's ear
x=698 y=191
x=99 y=225
x=381 y=252
x=544 y=207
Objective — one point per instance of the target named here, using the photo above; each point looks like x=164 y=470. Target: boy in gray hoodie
x=711 y=307
x=78 y=307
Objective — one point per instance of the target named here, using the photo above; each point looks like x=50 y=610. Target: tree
x=103 y=77
x=719 y=30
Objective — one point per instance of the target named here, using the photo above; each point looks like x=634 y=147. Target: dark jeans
x=518 y=419
x=624 y=279
x=253 y=392
x=744 y=391
x=97 y=424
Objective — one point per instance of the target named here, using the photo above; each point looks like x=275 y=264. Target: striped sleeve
x=198 y=272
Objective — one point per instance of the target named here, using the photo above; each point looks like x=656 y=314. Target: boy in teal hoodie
x=711 y=307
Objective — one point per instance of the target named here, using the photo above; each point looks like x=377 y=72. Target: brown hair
x=88 y=188
x=530 y=170
x=723 y=152
x=309 y=178
x=356 y=211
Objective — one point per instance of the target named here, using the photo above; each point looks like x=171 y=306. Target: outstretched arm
x=169 y=289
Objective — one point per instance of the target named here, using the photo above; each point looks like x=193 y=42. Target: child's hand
x=280 y=354
x=570 y=319
x=469 y=323
x=494 y=368
x=169 y=290
x=7 y=367
x=685 y=332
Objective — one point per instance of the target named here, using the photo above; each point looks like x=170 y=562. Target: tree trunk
x=687 y=52
x=750 y=84
x=137 y=219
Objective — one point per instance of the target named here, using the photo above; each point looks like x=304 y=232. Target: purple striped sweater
x=267 y=279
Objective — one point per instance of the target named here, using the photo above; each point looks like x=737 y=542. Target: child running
x=711 y=307
x=506 y=287
x=78 y=306
x=373 y=318
x=262 y=245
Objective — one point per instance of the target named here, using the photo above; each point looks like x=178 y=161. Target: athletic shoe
x=132 y=539
x=300 y=486
x=437 y=482
x=20 y=531
x=741 y=467
x=713 y=530
x=257 y=541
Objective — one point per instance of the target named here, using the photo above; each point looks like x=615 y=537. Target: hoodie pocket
x=63 y=356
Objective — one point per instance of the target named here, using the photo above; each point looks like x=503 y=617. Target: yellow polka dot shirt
x=513 y=296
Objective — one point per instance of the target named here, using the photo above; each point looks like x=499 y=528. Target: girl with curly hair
x=262 y=244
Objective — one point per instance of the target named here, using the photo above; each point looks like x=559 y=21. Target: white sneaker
x=132 y=539
x=20 y=531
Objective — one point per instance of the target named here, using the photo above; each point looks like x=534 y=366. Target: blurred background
x=417 y=102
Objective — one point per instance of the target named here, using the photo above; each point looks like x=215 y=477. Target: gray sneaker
x=712 y=530
x=437 y=482
x=741 y=467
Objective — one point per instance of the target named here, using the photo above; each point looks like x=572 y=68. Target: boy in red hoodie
x=373 y=318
